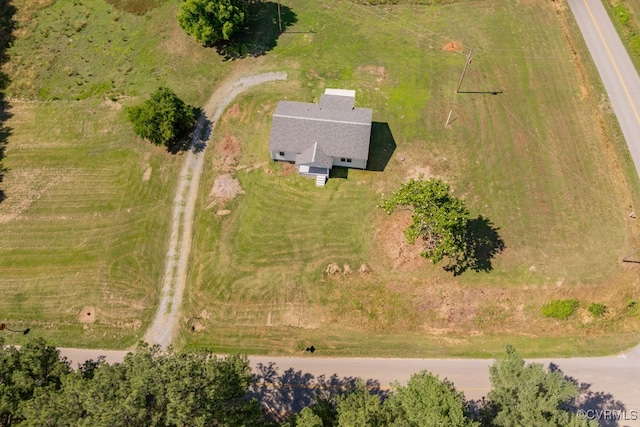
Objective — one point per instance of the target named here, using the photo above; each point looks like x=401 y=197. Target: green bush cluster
x=597 y=309
x=560 y=309
x=631 y=31
x=163 y=119
x=622 y=13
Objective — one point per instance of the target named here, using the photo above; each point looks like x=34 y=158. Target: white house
x=317 y=137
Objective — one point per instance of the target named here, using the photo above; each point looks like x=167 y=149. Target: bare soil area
x=452 y=47
x=402 y=255
x=87 y=314
x=225 y=188
x=228 y=150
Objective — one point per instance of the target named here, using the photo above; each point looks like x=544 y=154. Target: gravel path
x=164 y=324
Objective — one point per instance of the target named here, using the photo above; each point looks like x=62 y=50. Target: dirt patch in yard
x=378 y=71
x=402 y=255
x=112 y=104
x=87 y=314
x=147 y=174
x=452 y=47
x=229 y=149
x=232 y=113
x=286 y=169
x=225 y=188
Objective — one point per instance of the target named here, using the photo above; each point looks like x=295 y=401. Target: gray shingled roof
x=337 y=102
x=314 y=155
x=339 y=132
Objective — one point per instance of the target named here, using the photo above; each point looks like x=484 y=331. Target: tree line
x=152 y=388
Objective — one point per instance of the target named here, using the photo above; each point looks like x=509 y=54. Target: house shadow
x=339 y=172
x=482 y=243
x=283 y=394
x=595 y=405
x=262 y=32
x=7 y=27
x=381 y=147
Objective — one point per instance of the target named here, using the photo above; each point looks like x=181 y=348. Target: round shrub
x=597 y=309
x=560 y=309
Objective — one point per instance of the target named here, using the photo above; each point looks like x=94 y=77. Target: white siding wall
x=288 y=156
x=355 y=163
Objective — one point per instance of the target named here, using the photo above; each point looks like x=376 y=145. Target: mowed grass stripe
x=81 y=226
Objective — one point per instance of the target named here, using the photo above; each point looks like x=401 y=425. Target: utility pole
x=448 y=118
x=466 y=64
x=279 y=18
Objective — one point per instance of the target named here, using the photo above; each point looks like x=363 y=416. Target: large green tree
x=305 y=418
x=163 y=119
x=210 y=21
x=25 y=373
x=528 y=395
x=439 y=219
x=360 y=408
x=427 y=401
x=150 y=388
x=322 y=413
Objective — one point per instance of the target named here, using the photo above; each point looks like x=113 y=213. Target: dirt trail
x=164 y=323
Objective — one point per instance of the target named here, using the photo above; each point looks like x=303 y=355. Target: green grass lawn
x=542 y=159
x=88 y=48
x=83 y=225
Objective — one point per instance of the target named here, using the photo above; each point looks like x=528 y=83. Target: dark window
x=281 y=153
x=348 y=160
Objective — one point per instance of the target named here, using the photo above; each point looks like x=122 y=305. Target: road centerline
x=613 y=61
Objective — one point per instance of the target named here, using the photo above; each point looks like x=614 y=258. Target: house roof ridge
x=348 y=122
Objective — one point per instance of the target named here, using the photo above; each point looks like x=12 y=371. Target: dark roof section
x=314 y=155
x=339 y=132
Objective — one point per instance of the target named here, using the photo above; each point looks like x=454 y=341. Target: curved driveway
x=175 y=276
x=616 y=70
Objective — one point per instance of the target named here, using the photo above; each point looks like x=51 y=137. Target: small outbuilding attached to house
x=317 y=137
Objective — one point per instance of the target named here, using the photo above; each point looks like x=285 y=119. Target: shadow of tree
x=381 y=147
x=263 y=30
x=482 y=244
x=286 y=393
x=7 y=27
x=596 y=405
x=194 y=139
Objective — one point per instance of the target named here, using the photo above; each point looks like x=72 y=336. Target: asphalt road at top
x=616 y=70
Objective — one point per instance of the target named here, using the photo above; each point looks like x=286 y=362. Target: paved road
x=616 y=70
x=609 y=383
